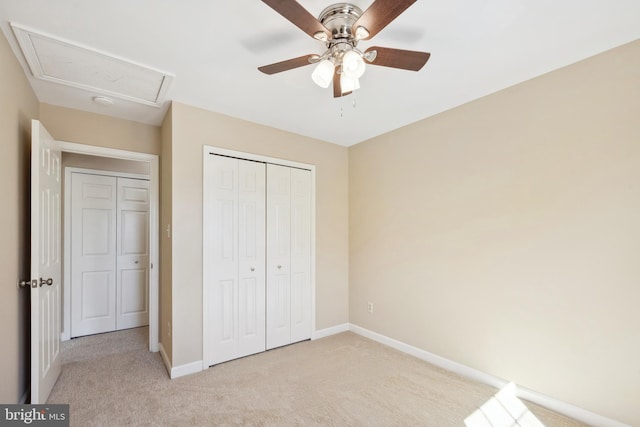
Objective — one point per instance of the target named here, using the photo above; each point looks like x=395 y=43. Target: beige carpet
x=343 y=380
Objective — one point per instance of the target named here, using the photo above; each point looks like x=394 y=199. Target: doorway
x=152 y=161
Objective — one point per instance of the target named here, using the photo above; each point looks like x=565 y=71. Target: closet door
x=93 y=254
x=300 y=255
x=132 y=283
x=278 y=256
x=234 y=252
x=251 y=258
x=288 y=255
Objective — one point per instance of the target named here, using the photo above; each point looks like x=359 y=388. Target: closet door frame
x=209 y=150
x=153 y=161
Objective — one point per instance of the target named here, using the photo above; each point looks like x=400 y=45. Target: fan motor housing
x=339 y=19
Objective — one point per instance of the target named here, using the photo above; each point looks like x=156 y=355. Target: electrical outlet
x=370 y=307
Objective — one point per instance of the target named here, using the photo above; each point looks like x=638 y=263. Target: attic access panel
x=63 y=62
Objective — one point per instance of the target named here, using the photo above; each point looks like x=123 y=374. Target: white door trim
x=154 y=184
x=207 y=150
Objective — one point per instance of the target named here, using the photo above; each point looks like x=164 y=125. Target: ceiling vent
x=60 y=61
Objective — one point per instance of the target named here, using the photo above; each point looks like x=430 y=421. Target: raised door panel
x=95 y=295
x=93 y=254
x=133 y=296
x=133 y=253
x=223 y=299
x=278 y=256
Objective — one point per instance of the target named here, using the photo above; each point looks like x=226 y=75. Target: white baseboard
x=193 y=367
x=434 y=359
x=567 y=409
x=533 y=396
x=186 y=369
x=322 y=333
x=181 y=370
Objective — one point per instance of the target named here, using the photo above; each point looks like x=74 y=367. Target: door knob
x=135 y=262
x=47 y=282
x=253 y=269
x=279 y=267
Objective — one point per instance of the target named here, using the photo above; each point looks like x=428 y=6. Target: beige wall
x=66 y=124
x=192 y=129
x=166 y=253
x=18 y=105
x=505 y=234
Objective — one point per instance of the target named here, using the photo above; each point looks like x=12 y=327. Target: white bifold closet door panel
x=234 y=250
x=132 y=285
x=288 y=255
x=109 y=253
x=300 y=255
x=93 y=254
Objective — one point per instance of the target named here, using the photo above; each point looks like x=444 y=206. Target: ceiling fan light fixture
x=353 y=65
x=348 y=84
x=323 y=73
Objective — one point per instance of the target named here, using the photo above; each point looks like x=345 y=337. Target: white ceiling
x=214 y=48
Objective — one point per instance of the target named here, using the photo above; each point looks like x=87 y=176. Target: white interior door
x=300 y=255
x=93 y=254
x=234 y=275
x=288 y=255
x=45 y=263
x=251 y=257
x=220 y=257
x=278 y=256
x=132 y=283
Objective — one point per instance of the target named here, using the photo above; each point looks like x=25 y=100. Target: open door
x=45 y=263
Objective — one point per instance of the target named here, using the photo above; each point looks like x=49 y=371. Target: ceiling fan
x=340 y=27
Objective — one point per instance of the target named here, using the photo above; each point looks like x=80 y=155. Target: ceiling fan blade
x=300 y=17
x=398 y=58
x=380 y=14
x=337 y=86
x=289 y=64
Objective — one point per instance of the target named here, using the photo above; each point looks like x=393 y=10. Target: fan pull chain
x=354 y=105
